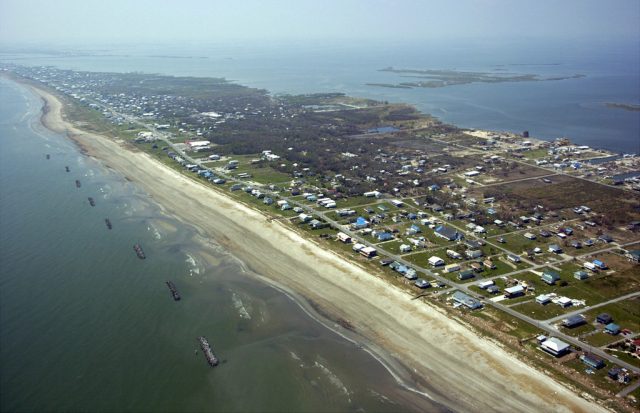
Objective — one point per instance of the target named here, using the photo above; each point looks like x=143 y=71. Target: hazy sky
x=117 y=21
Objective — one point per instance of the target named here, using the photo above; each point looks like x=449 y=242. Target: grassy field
x=542 y=312
x=535 y=154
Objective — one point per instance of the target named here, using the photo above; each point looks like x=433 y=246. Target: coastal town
x=534 y=243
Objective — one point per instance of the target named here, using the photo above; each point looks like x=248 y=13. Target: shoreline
x=494 y=372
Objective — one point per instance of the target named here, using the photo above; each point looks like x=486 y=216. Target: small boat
x=48 y=156
x=78 y=185
x=92 y=202
x=108 y=222
x=67 y=169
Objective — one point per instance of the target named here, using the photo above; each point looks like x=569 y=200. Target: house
x=550 y=277
x=466 y=300
x=305 y=217
x=543 y=299
x=604 y=318
x=405 y=248
x=529 y=235
x=600 y=265
x=493 y=289
x=477 y=267
x=361 y=223
x=612 y=328
x=564 y=302
x=473 y=244
x=489 y=264
x=453 y=254
x=315 y=224
x=555 y=346
x=471 y=254
x=513 y=258
x=592 y=361
x=447 y=233
x=486 y=284
x=580 y=275
x=545 y=233
x=344 y=237
x=410 y=274
x=513 y=292
x=368 y=252
x=605 y=238
x=466 y=275
x=420 y=283
x=574 y=321
x=452 y=268
x=384 y=236
x=436 y=261
x=345 y=212
x=397 y=203
x=554 y=248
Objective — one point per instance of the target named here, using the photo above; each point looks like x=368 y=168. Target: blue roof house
x=361 y=223
x=448 y=233
x=612 y=328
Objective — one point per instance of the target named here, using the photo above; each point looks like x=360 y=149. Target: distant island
x=625 y=106
x=431 y=78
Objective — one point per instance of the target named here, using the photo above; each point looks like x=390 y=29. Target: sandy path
x=473 y=373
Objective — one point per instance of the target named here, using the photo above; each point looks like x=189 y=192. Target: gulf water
x=87 y=326
x=574 y=108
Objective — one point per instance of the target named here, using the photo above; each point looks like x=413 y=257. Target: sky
x=48 y=22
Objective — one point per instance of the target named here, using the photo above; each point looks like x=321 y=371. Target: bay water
x=574 y=108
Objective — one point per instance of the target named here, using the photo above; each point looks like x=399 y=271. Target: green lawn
x=578 y=331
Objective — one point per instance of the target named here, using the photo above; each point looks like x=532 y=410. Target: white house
x=436 y=261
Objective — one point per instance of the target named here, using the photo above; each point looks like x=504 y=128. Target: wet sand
x=460 y=369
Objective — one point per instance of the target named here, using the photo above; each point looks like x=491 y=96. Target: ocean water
x=87 y=326
x=574 y=108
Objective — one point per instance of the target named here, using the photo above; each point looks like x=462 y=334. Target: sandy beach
x=465 y=371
